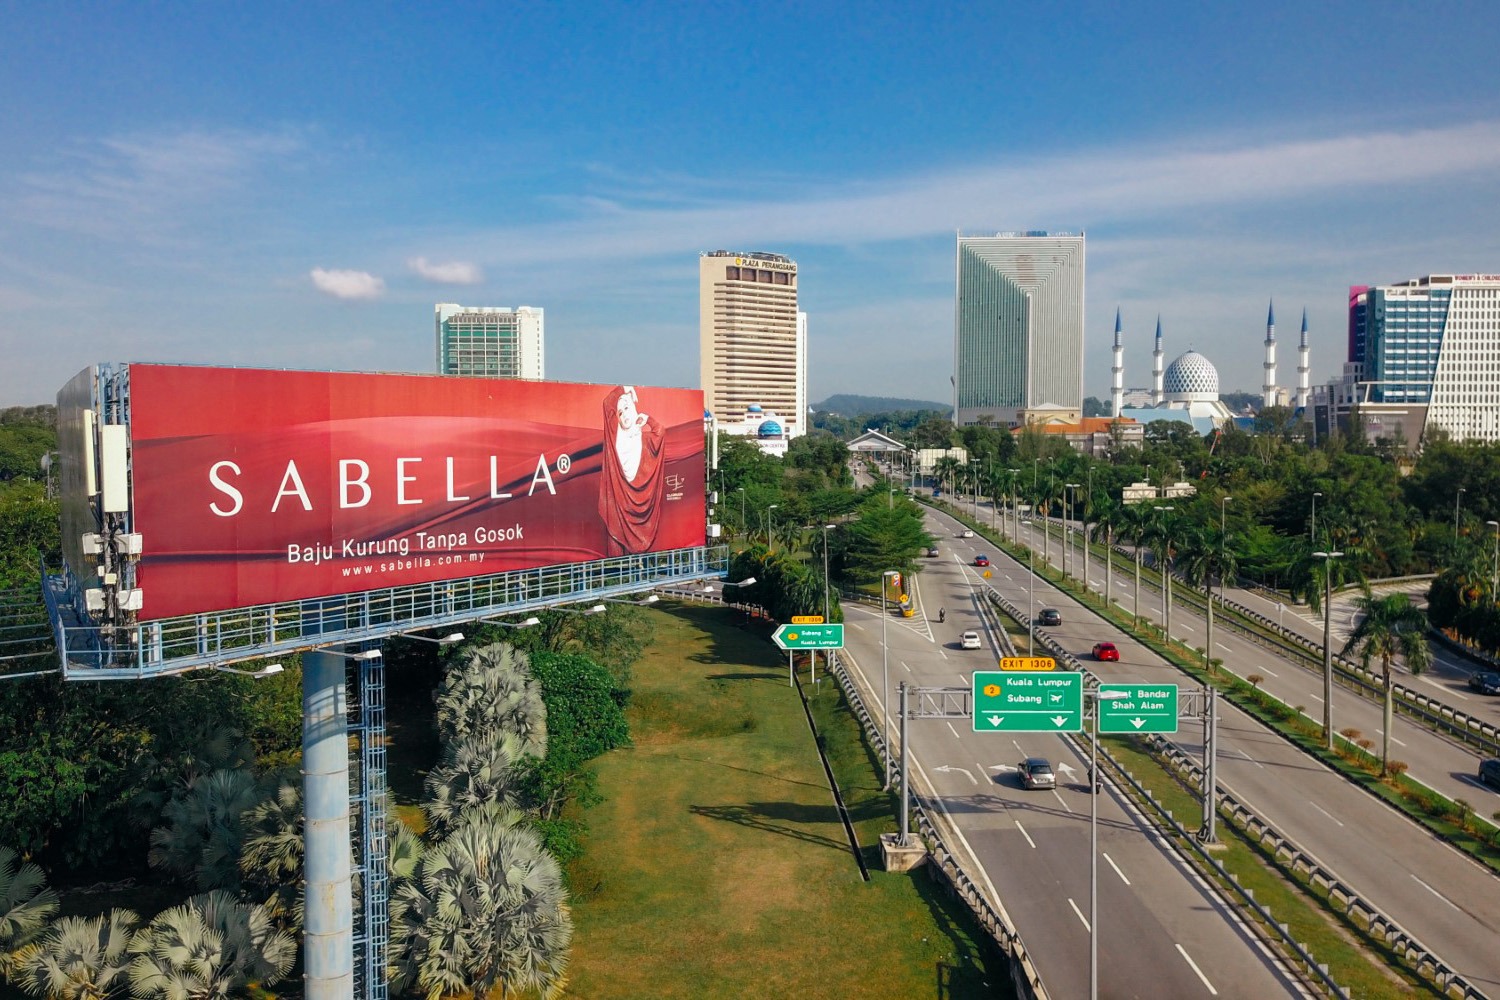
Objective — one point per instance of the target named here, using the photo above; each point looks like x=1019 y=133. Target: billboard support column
x=328 y=924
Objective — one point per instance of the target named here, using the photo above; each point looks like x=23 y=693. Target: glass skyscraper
x=490 y=341
x=1018 y=325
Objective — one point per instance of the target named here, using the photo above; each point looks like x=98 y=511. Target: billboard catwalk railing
x=177 y=645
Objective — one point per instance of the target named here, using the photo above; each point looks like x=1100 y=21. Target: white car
x=967 y=534
x=970 y=640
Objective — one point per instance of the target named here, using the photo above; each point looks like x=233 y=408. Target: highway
x=1446 y=900
x=1161 y=933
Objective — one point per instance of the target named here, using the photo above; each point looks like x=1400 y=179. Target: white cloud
x=347 y=284
x=457 y=272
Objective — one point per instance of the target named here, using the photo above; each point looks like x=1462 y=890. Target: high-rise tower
x=1158 y=394
x=1018 y=325
x=1304 y=367
x=1268 y=389
x=1117 y=370
x=751 y=351
x=490 y=341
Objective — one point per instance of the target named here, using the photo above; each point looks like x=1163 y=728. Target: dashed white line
x=1116 y=868
x=1223 y=647
x=1269 y=671
x=953 y=731
x=1189 y=959
x=1250 y=758
x=1435 y=893
x=1026 y=835
x=1060 y=800
x=1079 y=912
x=1325 y=812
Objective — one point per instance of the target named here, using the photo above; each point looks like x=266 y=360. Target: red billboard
x=254 y=487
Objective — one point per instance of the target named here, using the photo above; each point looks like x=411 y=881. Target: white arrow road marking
x=1066 y=769
x=1435 y=893
x=1194 y=964
x=1325 y=812
x=1026 y=835
x=1116 y=868
x=945 y=769
x=1079 y=912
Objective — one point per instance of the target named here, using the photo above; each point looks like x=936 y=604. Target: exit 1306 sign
x=1010 y=702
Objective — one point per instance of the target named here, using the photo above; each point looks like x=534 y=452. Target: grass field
x=717 y=866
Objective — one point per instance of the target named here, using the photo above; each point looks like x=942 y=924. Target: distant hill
x=846 y=405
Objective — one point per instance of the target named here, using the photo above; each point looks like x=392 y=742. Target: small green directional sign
x=1138 y=708
x=809 y=636
x=1011 y=702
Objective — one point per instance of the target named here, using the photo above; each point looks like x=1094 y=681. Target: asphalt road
x=1161 y=933
x=1447 y=901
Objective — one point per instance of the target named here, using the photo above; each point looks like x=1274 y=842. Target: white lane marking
x=1026 y=835
x=1223 y=647
x=1316 y=697
x=1443 y=688
x=1079 y=912
x=905 y=667
x=1116 y=868
x=1060 y=800
x=953 y=731
x=941 y=653
x=1393 y=739
x=858 y=626
x=1435 y=892
x=1250 y=758
x=1189 y=959
x=1269 y=671
x=1018 y=748
x=1325 y=812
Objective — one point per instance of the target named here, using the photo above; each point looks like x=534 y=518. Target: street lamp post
x=885 y=674
x=1313 y=530
x=1088 y=506
x=1457 y=501
x=744 y=528
x=1067 y=542
x=1208 y=642
x=890 y=500
x=1165 y=569
x=1015 y=507
x=1328 y=558
x=1094 y=789
x=771 y=528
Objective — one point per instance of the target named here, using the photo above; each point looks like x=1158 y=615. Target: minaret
x=1303 y=366
x=1157 y=394
x=1117 y=390
x=1268 y=391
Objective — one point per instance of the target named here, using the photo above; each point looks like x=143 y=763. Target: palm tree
x=1392 y=626
x=1204 y=556
x=26 y=904
x=1134 y=527
x=209 y=947
x=1108 y=516
x=82 y=959
x=489 y=910
x=490 y=692
x=1162 y=534
x=200 y=841
x=271 y=860
x=472 y=773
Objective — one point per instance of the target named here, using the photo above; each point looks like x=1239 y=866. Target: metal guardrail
x=1023 y=972
x=1340 y=893
x=1435 y=713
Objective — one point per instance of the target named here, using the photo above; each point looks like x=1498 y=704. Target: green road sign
x=809 y=636
x=1138 y=708
x=1010 y=702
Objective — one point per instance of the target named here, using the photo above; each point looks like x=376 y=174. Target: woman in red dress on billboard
x=631 y=481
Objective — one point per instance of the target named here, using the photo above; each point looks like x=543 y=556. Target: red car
x=981 y=560
x=1106 y=651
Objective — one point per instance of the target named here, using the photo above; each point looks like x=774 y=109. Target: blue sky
x=295 y=185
